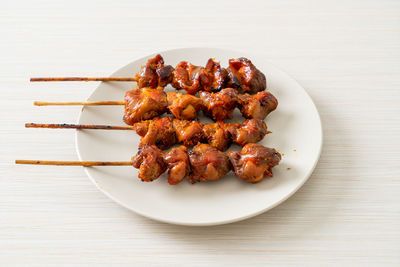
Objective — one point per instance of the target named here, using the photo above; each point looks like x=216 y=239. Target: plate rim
x=220 y=222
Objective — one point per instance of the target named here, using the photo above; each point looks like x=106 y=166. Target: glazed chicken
x=221 y=135
x=150 y=162
x=217 y=135
x=154 y=74
x=257 y=106
x=187 y=77
x=207 y=163
x=184 y=107
x=241 y=75
x=250 y=131
x=213 y=76
x=144 y=104
x=177 y=161
x=219 y=106
x=166 y=132
x=188 y=132
x=253 y=162
x=159 y=132
x=245 y=77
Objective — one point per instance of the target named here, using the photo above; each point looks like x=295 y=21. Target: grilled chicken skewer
x=166 y=132
x=241 y=75
x=147 y=103
x=203 y=163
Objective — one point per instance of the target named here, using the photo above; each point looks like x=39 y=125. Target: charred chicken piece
x=187 y=76
x=250 y=131
x=217 y=135
x=245 y=77
x=213 y=77
x=219 y=106
x=257 y=106
x=159 y=132
x=150 y=162
x=207 y=163
x=154 y=73
x=188 y=132
x=182 y=106
x=178 y=164
x=253 y=162
x=144 y=104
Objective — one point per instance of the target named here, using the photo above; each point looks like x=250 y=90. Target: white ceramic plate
x=296 y=133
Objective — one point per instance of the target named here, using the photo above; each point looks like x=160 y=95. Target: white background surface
x=345 y=53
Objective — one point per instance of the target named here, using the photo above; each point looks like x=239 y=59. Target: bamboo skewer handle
x=74 y=163
x=79 y=103
x=76 y=126
x=84 y=79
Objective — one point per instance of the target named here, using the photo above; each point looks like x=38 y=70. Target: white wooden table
x=345 y=53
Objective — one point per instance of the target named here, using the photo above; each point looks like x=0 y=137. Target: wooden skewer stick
x=74 y=163
x=79 y=103
x=77 y=126
x=84 y=79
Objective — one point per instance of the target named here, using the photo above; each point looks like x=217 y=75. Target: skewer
x=74 y=163
x=76 y=126
x=84 y=79
x=203 y=163
x=79 y=103
x=166 y=131
x=186 y=76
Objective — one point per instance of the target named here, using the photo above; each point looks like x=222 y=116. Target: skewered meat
x=207 y=163
x=257 y=106
x=188 y=132
x=166 y=132
x=182 y=106
x=150 y=162
x=154 y=74
x=159 y=132
x=216 y=135
x=221 y=135
x=178 y=164
x=253 y=162
x=219 y=106
x=187 y=77
x=144 y=104
x=250 y=131
x=213 y=76
x=245 y=77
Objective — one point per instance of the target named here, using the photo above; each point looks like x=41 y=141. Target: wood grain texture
x=345 y=53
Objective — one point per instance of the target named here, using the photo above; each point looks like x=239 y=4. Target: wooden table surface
x=345 y=53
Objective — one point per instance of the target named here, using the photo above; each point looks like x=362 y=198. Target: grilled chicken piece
x=219 y=106
x=213 y=77
x=154 y=74
x=253 y=162
x=217 y=135
x=257 y=106
x=221 y=135
x=245 y=77
x=144 y=104
x=207 y=163
x=187 y=77
x=159 y=132
x=178 y=164
x=182 y=106
x=250 y=131
x=188 y=132
x=150 y=162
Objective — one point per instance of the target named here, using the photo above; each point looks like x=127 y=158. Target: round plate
x=296 y=133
